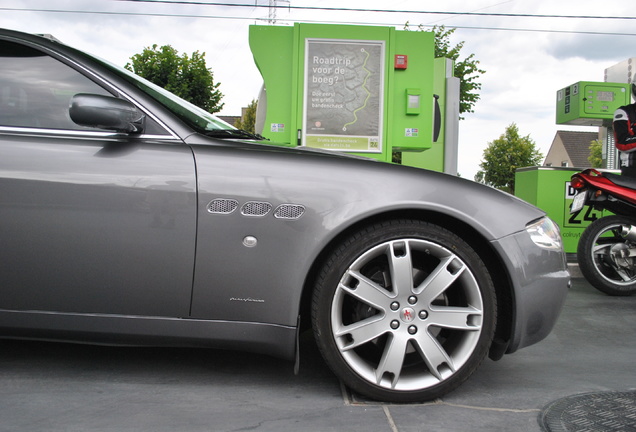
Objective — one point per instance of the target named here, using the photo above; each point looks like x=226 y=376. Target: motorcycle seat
x=629 y=182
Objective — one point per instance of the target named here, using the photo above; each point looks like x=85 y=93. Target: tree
x=187 y=77
x=247 y=121
x=467 y=69
x=596 y=154
x=504 y=155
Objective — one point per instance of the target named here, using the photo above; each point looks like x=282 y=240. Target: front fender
x=252 y=267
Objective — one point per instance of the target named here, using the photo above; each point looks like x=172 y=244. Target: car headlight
x=545 y=234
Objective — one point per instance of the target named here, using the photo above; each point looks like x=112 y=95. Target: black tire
x=404 y=311
x=597 y=258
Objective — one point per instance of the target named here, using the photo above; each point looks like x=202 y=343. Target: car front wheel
x=403 y=311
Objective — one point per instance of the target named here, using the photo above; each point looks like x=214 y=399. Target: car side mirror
x=106 y=112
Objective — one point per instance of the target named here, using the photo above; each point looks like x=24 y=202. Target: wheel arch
x=490 y=257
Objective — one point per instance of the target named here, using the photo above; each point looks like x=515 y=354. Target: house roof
x=577 y=145
x=229 y=119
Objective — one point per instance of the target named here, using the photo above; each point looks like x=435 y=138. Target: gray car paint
x=338 y=200
x=97 y=226
x=108 y=238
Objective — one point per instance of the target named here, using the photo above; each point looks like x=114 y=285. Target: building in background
x=570 y=149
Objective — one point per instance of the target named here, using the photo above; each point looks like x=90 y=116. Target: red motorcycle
x=607 y=248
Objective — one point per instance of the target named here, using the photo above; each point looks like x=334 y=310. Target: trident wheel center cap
x=407 y=315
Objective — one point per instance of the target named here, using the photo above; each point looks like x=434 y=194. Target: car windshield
x=191 y=114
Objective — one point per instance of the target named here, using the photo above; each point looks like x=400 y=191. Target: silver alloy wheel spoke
x=440 y=279
x=392 y=359
x=460 y=318
x=601 y=249
x=401 y=268
x=366 y=291
x=623 y=274
x=357 y=334
x=434 y=355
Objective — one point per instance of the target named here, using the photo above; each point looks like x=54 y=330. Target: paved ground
x=59 y=387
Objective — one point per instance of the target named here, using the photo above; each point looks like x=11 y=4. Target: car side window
x=36 y=89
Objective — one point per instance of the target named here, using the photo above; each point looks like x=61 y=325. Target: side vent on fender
x=222 y=206
x=256 y=208
x=289 y=211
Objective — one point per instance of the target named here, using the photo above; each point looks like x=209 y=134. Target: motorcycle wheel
x=603 y=256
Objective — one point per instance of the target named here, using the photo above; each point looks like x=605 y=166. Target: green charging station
x=364 y=90
x=588 y=103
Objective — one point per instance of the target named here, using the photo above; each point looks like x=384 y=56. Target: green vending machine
x=369 y=91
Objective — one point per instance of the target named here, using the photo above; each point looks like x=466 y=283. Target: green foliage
x=187 y=77
x=247 y=121
x=596 y=154
x=467 y=69
x=504 y=155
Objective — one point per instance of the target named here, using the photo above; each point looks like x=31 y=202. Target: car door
x=91 y=221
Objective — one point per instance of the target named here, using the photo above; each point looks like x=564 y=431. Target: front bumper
x=539 y=280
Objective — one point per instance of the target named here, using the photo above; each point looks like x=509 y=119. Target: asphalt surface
x=63 y=387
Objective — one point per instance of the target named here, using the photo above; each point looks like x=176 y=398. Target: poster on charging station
x=343 y=95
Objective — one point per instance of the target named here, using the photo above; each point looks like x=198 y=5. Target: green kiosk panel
x=366 y=90
x=587 y=103
x=549 y=189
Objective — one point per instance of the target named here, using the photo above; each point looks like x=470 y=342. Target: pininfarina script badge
x=247 y=300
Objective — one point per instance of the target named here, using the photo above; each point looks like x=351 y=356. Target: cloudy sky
x=529 y=49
